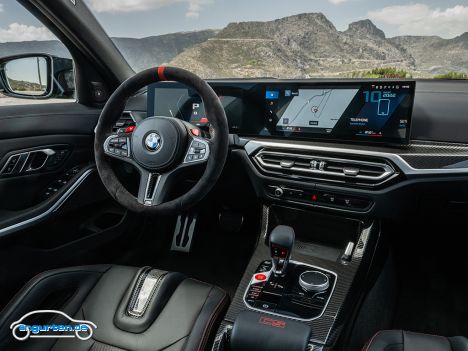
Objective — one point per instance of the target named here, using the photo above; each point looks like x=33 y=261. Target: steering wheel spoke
x=197 y=152
x=153 y=187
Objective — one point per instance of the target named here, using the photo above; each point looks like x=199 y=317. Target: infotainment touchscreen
x=379 y=111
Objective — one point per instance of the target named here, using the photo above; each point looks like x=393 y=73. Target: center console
x=302 y=293
x=302 y=281
x=285 y=288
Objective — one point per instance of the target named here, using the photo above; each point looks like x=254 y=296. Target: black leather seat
x=134 y=309
x=399 y=340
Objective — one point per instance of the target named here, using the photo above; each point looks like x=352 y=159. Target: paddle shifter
x=281 y=244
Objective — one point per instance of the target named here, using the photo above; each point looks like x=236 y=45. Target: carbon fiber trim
x=146 y=287
x=327 y=324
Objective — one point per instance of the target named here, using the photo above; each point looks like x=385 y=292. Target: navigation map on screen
x=356 y=111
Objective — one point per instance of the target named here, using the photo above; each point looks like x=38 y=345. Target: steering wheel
x=161 y=147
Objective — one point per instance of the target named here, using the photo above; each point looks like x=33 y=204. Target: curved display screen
x=365 y=111
x=372 y=111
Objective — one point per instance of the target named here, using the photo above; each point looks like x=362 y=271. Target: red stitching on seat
x=211 y=320
x=368 y=345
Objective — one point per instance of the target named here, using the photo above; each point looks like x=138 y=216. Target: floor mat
x=219 y=256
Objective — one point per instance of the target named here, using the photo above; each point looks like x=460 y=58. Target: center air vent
x=326 y=168
x=125 y=121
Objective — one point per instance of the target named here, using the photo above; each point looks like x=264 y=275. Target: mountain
x=295 y=46
x=152 y=51
x=304 y=45
x=140 y=53
x=21 y=85
x=435 y=55
x=365 y=28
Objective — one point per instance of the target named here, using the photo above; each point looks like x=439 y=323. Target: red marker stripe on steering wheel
x=161 y=74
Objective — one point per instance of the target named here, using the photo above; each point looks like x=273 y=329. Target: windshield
x=278 y=39
x=292 y=39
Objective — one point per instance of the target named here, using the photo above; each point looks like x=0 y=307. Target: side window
x=35 y=67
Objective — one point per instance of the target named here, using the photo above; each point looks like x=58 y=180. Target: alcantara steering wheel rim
x=160 y=147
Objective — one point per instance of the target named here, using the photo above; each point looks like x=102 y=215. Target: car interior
x=181 y=213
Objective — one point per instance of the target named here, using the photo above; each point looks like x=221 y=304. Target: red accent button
x=195 y=131
x=129 y=129
x=260 y=277
x=204 y=120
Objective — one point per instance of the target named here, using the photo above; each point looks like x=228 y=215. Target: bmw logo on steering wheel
x=153 y=141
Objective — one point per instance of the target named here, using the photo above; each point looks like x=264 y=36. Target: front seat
x=400 y=340
x=133 y=309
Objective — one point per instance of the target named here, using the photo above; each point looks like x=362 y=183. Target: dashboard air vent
x=124 y=121
x=327 y=168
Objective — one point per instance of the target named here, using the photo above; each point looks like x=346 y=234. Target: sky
x=141 y=18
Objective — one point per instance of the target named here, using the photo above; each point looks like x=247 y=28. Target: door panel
x=46 y=119
x=59 y=214
x=46 y=151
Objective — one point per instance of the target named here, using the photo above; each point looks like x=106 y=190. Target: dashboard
x=361 y=147
x=367 y=111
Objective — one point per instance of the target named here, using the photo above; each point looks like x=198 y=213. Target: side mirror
x=37 y=76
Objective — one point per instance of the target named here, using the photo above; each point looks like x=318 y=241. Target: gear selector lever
x=281 y=244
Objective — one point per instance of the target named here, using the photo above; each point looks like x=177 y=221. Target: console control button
x=294 y=193
x=260 y=277
x=320 y=198
x=320 y=298
x=314 y=281
x=274 y=287
x=266 y=306
x=284 y=295
x=278 y=191
x=254 y=292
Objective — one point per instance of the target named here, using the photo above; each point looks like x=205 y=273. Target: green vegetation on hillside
x=452 y=75
x=21 y=85
x=382 y=72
